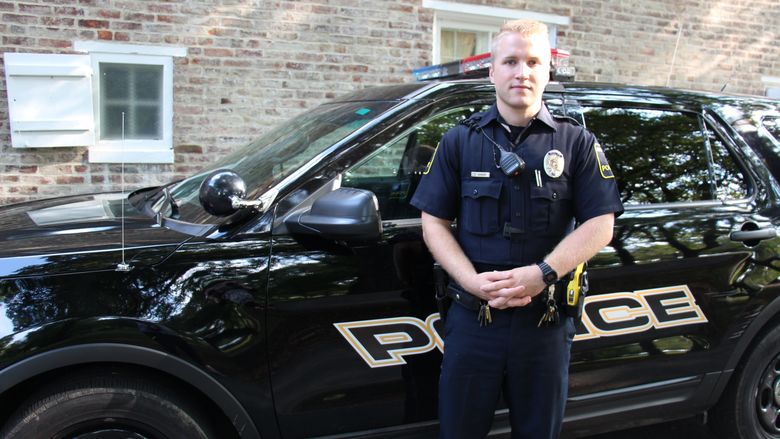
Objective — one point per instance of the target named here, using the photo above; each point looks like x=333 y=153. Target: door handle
x=753 y=235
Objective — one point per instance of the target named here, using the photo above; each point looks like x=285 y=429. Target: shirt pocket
x=551 y=207
x=479 y=213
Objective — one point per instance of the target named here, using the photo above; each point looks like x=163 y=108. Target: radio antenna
x=123 y=266
x=674 y=55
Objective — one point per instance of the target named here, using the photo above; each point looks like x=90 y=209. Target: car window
x=664 y=156
x=393 y=171
x=277 y=154
x=728 y=180
x=772 y=124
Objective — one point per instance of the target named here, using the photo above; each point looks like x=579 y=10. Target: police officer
x=514 y=177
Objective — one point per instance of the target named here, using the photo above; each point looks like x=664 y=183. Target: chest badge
x=553 y=163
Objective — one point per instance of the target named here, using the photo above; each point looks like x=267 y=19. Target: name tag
x=480 y=174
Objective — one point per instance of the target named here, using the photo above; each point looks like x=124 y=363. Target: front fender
x=136 y=349
x=758 y=317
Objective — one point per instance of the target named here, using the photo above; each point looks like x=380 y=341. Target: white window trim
x=482 y=19
x=771 y=85
x=133 y=150
x=128 y=49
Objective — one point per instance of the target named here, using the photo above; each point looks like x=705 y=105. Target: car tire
x=107 y=406
x=750 y=406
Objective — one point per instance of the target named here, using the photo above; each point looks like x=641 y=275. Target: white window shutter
x=49 y=100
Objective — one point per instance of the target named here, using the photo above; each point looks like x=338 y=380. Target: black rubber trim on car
x=119 y=353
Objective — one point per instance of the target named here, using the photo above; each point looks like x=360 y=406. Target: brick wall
x=253 y=64
x=250 y=65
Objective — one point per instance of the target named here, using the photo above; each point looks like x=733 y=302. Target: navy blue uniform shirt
x=515 y=221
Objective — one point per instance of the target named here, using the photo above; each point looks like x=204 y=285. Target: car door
x=665 y=294
x=353 y=326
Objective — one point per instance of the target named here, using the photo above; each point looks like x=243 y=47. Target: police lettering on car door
x=385 y=342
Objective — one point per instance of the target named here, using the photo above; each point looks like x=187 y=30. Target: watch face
x=550 y=278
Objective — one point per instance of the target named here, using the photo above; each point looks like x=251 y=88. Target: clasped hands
x=509 y=288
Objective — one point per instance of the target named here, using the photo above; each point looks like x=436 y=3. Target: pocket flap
x=552 y=190
x=477 y=189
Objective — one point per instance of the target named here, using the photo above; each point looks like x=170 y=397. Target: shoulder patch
x=604 y=169
x=430 y=162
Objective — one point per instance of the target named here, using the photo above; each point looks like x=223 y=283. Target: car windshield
x=266 y=161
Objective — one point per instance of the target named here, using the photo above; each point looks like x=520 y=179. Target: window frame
x=771 y=86
x=133 y=150
x=708 y=128
x=478 y=18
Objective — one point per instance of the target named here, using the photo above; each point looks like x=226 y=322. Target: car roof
x=594 y=92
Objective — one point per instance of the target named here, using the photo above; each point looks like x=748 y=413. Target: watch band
x=549 y=276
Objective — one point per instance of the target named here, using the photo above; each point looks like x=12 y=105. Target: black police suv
x=286 y=292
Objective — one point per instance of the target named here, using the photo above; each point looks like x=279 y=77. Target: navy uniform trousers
x=512 y=355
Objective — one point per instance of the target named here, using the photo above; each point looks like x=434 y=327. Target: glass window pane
x=111 y=121
x=146 y=123
x=658 y=156
x=457 y=44
x=483 y=42
x=136 y=90
x=447 y=47
x=466 y=44
x=114 y=82
x=148 y=80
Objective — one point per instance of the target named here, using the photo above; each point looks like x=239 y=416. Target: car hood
x=35 y=232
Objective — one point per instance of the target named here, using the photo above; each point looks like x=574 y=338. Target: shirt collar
x=543 y=115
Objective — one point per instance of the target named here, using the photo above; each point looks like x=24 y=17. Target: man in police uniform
x=512 y=242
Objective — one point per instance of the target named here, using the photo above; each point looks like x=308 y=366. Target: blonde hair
x=526 y=28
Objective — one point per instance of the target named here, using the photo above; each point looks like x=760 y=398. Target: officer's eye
x=510 y=62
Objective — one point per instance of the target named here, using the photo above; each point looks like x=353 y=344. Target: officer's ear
x=490 y=72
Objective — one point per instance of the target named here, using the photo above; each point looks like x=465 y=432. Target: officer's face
x=520 y=70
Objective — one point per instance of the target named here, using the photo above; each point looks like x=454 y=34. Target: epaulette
x=472 y=122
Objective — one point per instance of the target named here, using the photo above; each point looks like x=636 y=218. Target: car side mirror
x=218 y=191
x=343 y=214
x=222 y=193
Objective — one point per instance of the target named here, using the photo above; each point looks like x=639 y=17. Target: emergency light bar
x=477 y=67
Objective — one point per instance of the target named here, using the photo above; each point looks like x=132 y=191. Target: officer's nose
x=521 y=71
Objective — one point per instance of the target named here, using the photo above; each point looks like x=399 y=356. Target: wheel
x=750 y=406
x=106 y=407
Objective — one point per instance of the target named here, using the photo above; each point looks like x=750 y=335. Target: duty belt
x=472 y=302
